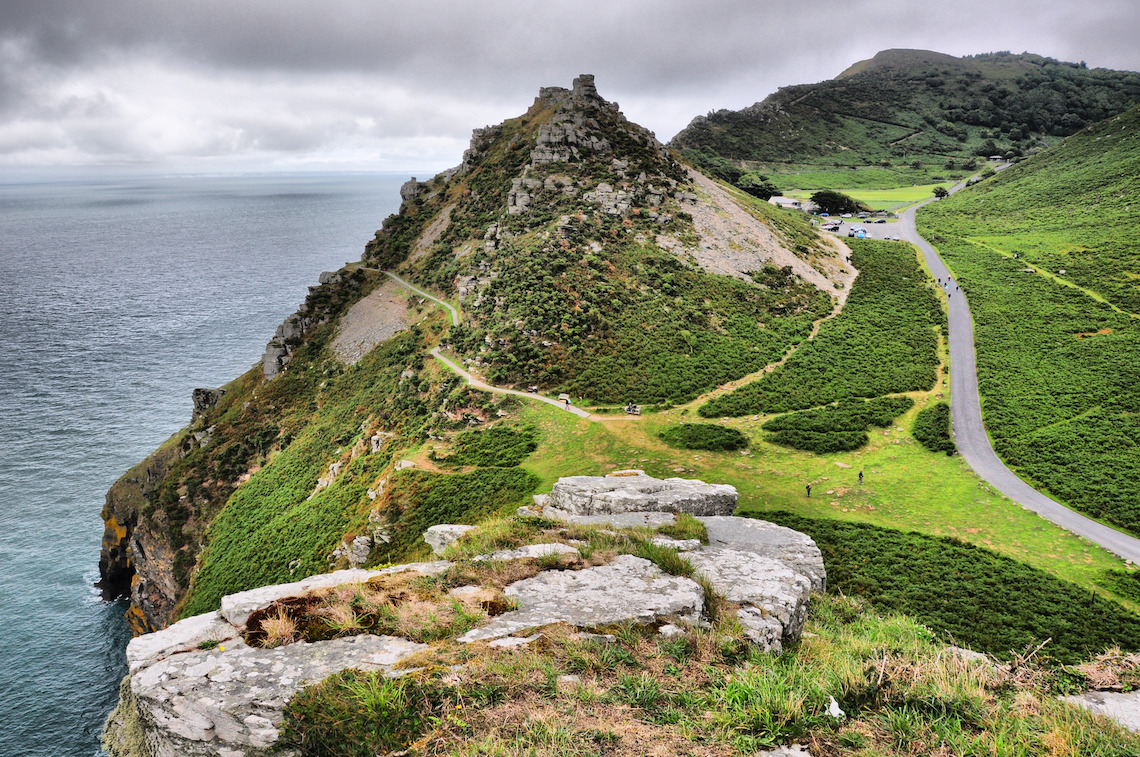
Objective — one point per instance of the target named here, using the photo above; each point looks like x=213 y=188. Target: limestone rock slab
x=774 y=597
x=796 y=550
x=530 y=550
x=219 y=702
x=627 y=589
x=613 y=520
x=1124 y=708
x=183 y=636
x=444 y=535
x=599 y=495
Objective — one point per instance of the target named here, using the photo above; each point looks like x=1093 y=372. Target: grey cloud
x=395 y=72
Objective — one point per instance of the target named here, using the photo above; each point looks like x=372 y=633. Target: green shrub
x=932 y=428
x=497 y=447
x=706 y=436
x=837 y=428
x=1123 y=583
x=976 y=597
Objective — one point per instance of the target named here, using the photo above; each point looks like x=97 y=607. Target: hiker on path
x=567 y=403
x=860 y=476
x=808 y=487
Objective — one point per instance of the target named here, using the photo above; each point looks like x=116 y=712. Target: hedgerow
x=932 y=428
x=706 y=436
x=976 y=597
x=883 y=342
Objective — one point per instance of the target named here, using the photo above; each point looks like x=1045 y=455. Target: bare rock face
x=1124 y=707
x=594 y=495
x=629 y=588
x=442 y=536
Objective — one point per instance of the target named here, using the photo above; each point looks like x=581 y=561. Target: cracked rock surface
x=629 y=588
x=596 y=495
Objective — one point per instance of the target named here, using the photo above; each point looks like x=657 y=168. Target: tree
x=758 y=185
x=940 y=192
x=830 y=201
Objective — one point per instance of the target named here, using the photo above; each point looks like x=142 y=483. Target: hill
x=1049 y=255
x=584 y=259
x=912 y=106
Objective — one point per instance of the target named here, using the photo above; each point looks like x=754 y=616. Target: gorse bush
x=932 y=428
x=706 y=436
x=837 y=428
x=981 y=599
x=498 y=447
x=883 y=342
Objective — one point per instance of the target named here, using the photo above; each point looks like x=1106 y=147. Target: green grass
x=884 y=342
x=1058 y=353
x=892 y=198
x=841 y=427
x=707 y=691
x=807 y=179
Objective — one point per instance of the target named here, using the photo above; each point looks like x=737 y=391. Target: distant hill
x=913 y=105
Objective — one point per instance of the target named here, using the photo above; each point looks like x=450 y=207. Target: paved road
x=471 y=379
x=970 y=431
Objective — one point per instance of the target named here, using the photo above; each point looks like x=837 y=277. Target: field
x=892 y=198
x=1049 y=255
x=809 y=178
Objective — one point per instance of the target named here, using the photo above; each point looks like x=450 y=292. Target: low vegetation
x=497 y=447
x=932 y=428
x=966 y=593
x=1047 y=253
x=705 y=692
x=706 y=436
x=884 y=342
x=841 y=427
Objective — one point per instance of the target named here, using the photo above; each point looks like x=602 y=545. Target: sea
x=119 y=294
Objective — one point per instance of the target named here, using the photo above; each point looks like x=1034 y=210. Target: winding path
x=969 y=428
x=471 y=379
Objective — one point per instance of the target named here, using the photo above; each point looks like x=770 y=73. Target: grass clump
x=496 y=447
x=362 y=714
x=979 y=598
x=685 y=526
x=704 y=436
x=883 y=342
x=932 y=428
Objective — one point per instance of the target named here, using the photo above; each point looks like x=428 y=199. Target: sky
x=235 y=85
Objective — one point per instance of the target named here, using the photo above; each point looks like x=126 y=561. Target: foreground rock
x=229 y=701
x=196 y=688
x=1124 y=708
x=628 y=589
x=595 y=495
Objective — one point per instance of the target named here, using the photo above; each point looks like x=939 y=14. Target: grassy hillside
x=1049 y=255
x=910 y=106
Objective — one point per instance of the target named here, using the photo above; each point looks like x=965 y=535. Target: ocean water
x=117 y=298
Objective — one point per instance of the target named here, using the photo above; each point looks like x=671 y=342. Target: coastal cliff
x=585 y=259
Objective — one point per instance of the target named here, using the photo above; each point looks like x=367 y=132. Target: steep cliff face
x=585 y=259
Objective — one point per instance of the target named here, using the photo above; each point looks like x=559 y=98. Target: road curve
x=466 y=375
x=970 y=431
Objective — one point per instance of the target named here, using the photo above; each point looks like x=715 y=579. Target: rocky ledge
x=197 y=688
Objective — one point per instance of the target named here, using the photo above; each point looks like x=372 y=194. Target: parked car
x=896 y=238
x=846 y=215
x=879 y=220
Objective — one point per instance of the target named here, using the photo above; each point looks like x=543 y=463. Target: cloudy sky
x=386 y=85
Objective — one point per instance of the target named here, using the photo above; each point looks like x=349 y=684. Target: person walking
x=808 y=487
x=860 y=476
